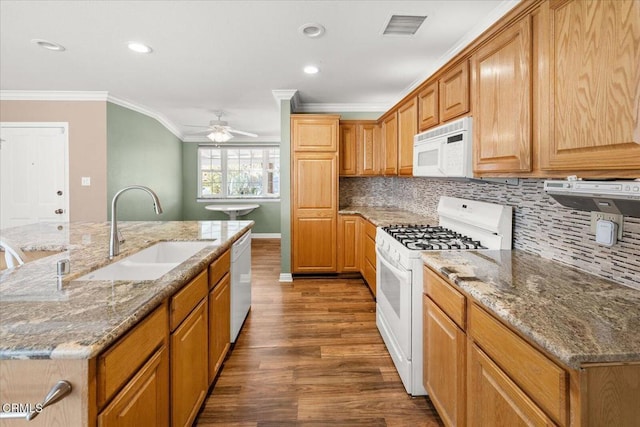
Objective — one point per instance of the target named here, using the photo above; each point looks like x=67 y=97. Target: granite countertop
x=37 y=321
x=577 y=317
x=384 y=216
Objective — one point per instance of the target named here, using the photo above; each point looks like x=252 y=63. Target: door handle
x=59 y=192
x=58 y=211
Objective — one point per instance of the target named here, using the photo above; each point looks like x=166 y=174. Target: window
x=238 y=172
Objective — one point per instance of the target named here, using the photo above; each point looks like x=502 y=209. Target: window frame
x=224 y=162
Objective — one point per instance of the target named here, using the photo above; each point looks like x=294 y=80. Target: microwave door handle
x=441 y=159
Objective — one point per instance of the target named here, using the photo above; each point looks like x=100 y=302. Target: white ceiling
x=232 y=55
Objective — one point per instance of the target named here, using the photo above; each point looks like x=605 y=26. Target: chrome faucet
x=114 y=242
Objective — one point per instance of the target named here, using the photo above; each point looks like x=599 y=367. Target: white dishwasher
x=240 y=283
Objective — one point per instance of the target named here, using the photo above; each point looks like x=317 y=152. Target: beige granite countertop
x=384 y=216
x=577 y=317
x=39 y=322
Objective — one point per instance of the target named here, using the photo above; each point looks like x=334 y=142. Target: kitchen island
x=44 y=329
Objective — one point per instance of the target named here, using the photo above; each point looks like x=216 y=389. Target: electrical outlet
x=597 y=216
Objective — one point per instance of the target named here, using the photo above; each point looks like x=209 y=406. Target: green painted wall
x=266 y=217
x=140 y=150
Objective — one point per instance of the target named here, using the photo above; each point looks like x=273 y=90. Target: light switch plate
x=616 y=218
x=86 y=181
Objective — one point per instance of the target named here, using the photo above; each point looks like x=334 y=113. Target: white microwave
x=444 y=151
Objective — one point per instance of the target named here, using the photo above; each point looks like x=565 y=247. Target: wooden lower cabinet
x=348 y=243
x=444 y=366
x=368 y=263
x=189 y=366
x=219 y=325
x=145 y=399
x=495 y=400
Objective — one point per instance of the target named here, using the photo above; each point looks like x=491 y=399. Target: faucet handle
x=120 y=237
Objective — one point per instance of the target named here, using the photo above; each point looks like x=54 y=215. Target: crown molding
x=52 y=95
x=147 y=112
x=480 y=27
x=343 y=108
x=291 y=95
x=68 y=95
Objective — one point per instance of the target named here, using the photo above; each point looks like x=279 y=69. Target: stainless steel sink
x=150 y=263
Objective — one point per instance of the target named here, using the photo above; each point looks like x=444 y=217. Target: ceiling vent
x=403 y=25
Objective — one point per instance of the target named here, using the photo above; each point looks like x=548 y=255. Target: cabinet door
x=454 y=92
x=219 y=325
x=444 y=364
x=390 y=137
x=428 y=107
x=407 y=129
x=502 y=102
x=495 y=399
x=314 y=217
x=369 y=149
x=145 y=399
x=314 y=132
x=595 y=85
x=348 y=149
x=189 y=367
x=348 y=247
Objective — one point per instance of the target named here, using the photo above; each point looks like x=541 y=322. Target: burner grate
x=428 y=237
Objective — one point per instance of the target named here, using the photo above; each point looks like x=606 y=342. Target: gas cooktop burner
x=429 y=237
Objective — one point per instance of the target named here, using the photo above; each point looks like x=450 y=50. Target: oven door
x=393 y=313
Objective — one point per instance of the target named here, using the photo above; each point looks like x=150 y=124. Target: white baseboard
x=286 y=277
x=265 y=235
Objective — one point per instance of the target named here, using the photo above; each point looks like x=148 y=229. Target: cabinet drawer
x=219 y=268
x=543 y=380
x=370 y=250
x=124 y=358
x=369 y=274
x=187 y=298
x=448 y=299
x=369 y=230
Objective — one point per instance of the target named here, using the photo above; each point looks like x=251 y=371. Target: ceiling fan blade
x=202 y=132
x=240 y=132
x=197 y=126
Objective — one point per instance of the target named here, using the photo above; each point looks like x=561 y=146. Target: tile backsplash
x=541 y=225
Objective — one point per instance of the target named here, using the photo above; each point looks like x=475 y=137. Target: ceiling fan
x=219 y=130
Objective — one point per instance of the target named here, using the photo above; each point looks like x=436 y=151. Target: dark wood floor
x=310 y=355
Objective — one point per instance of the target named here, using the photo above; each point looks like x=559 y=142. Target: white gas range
x=463 y=225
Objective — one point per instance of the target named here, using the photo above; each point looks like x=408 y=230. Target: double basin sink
x=150 y=263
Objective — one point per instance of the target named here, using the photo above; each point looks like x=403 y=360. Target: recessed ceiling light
x=311 y=69
x=312 y=30
x=139 y=47
x=48 y=45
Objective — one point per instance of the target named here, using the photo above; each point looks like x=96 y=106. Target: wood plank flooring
x=310 y=355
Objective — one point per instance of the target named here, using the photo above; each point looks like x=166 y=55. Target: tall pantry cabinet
x=314 y=193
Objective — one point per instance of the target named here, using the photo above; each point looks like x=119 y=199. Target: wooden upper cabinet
x=314 y=132
x=407 y=129
x=501 y=73
x=428 y=107
x=369 y=149
x=390 y=138
x=454 y=92
x=594 y=51
x=348 y=149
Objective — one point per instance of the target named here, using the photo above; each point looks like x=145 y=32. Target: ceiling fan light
x=219 y=136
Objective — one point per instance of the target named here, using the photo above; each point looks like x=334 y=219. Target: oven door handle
x=403 y=275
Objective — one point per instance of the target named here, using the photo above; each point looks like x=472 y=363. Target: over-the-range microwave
x=444 y=151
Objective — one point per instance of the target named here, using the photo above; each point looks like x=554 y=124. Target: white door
x=33 y=173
